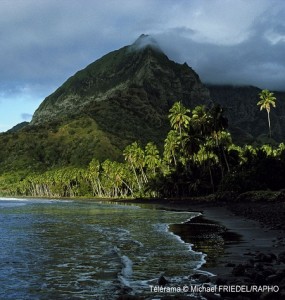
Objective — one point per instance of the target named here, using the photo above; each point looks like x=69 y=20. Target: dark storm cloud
x=256 y=58
x=45 y=42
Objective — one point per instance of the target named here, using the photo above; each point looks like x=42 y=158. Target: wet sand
x=244 y=241
x=251 y=238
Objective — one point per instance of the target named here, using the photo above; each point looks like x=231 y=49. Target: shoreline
x=254 y=245
x=258 y=258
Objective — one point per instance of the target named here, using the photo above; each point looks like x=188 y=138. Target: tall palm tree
x=218 y=121
x=170 y=147
x=179 y=117
x=200 y=120
x=152 y=158
x=135 y=157
x=266 y=100
x=130 y=157
x=219 y=124
x=94 y=177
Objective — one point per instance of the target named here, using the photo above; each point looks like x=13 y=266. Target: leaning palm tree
x=171 y=145
x=266 y=100
x=130 y=154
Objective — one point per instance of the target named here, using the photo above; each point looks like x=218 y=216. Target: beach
x=250 y=248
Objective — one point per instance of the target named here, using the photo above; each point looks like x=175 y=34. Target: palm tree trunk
x=136 y=176
x=269 y=125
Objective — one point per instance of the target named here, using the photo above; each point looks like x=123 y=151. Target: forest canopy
x=198 y=158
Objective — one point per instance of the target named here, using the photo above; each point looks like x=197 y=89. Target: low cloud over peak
x=226 y=42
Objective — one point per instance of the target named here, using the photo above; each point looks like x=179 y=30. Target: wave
x=166 y=228
x=127 y=269
x=34 y=200
x=13 y=199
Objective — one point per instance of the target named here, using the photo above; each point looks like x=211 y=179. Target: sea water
x=72 y=249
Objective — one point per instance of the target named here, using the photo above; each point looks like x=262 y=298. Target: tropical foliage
x=198 y=158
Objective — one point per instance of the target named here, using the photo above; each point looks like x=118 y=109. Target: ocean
x=86 y=249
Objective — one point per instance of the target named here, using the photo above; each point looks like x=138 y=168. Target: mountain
x=128 y=92
x=139 y=72
x=122 y=97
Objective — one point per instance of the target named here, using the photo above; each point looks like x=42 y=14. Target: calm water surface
x=56 y=249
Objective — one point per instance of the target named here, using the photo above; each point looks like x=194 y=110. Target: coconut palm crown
x=267 y=100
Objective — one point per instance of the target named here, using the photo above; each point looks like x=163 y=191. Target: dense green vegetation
x=198 y=158
x=54 y=145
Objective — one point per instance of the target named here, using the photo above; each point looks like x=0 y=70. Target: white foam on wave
x=165 y=228
x=127 y=270
x=12 y=199
x=34 y=200
x=12 y=202
x=9 y=202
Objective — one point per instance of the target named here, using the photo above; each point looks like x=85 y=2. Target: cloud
x=225 y=41
x=220 y=22
x=255 y=59
x=44 y=42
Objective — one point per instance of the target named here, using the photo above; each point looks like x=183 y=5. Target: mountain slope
x=128 y=92
x=122 y=97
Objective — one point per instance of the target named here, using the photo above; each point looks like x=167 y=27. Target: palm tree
x=135 y=157
x=170 y=147
x=266 y=100
x=200 y=120
x=130 y=157
x=179 y=116
x=152 y=158
x=219 y=124
x=94 y=177
x=218 y=121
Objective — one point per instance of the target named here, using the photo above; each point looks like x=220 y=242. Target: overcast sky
x=43 y=42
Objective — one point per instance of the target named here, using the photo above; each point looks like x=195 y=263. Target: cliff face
x=247 y=122
x=127 y=92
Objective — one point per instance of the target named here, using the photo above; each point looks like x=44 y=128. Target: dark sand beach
x=243 y=239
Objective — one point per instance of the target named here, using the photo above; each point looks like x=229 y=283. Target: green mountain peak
x=138 y=73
